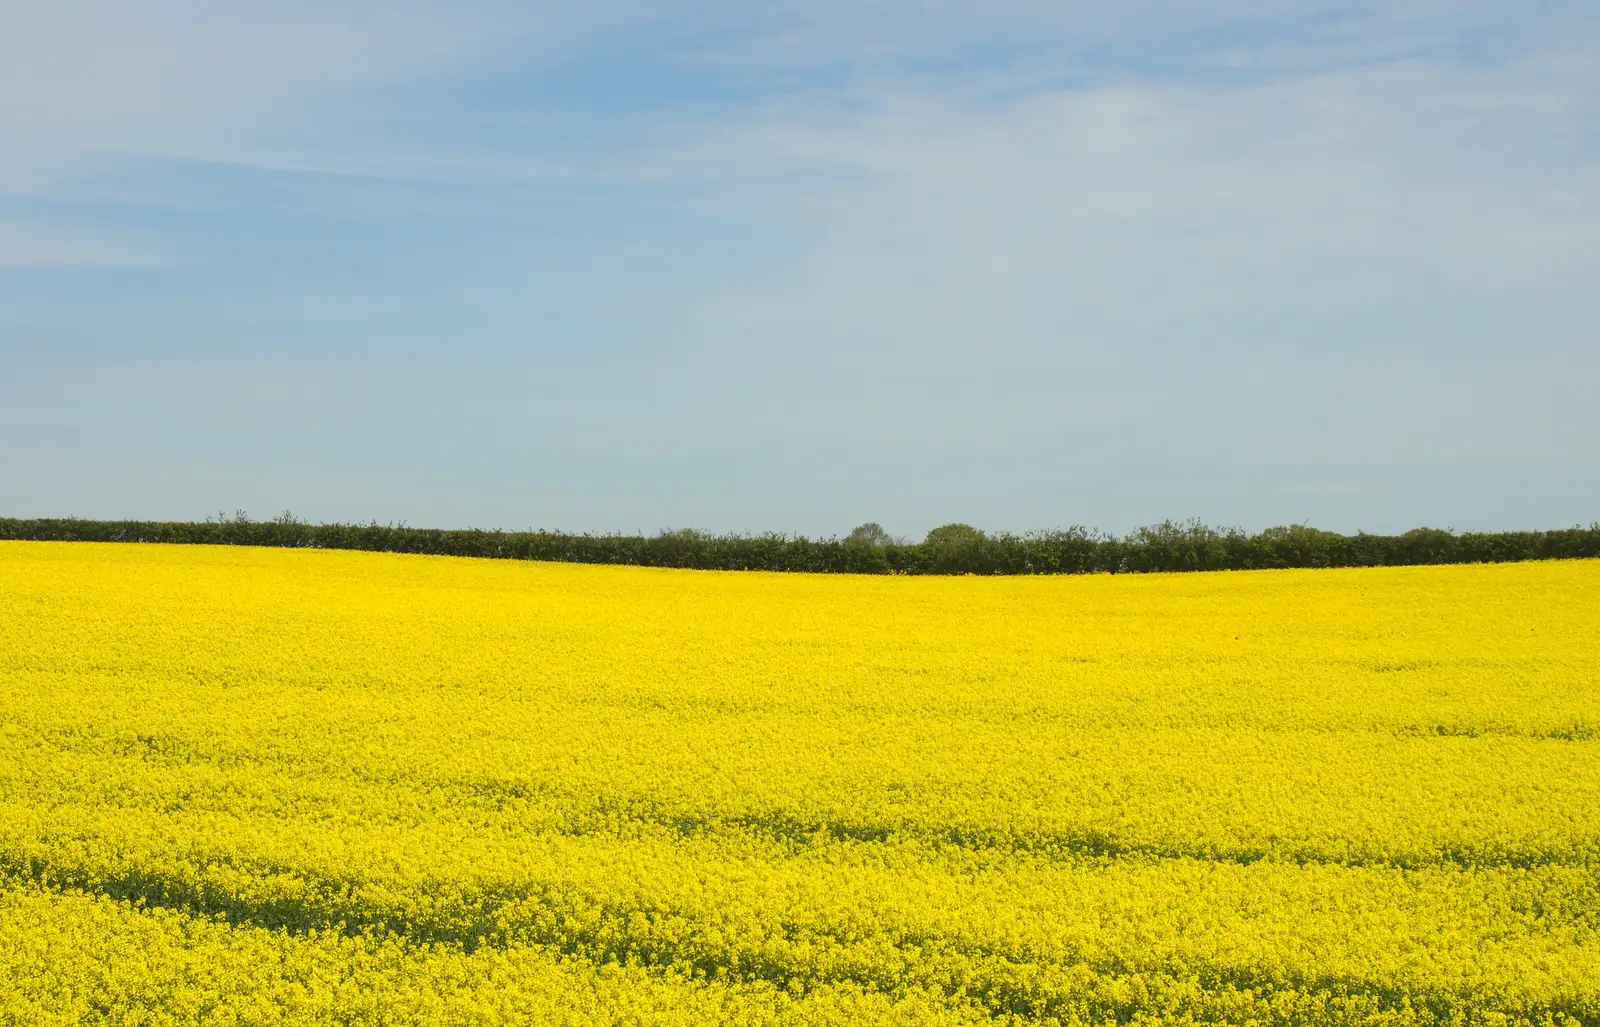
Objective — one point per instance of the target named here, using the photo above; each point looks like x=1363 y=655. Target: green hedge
x=1164 y=547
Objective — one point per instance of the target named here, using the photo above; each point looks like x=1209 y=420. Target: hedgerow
x=1168 y=546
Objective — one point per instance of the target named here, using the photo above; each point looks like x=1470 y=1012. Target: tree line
x=949 y=549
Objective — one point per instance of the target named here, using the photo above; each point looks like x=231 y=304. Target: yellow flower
x=292 y=787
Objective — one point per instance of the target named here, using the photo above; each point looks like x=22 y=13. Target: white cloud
x=1383 y=267
x=931 y=214
x=81 y=80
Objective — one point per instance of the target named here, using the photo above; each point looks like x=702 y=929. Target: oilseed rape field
x=271 y=786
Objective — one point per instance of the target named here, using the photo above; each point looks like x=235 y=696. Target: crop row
x=738 y=943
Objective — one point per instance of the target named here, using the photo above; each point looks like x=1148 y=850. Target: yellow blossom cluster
x=263 y=786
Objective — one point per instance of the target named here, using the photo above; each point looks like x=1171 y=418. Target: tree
x=953 y=536
x=954 y=549
x=868 y=534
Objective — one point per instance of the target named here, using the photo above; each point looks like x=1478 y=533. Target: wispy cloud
x=1051 y=216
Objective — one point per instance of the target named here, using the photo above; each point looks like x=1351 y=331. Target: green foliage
x=954 y=549
x=954 y=537
x=948 y=549
x=869 y=534
x=865 y=550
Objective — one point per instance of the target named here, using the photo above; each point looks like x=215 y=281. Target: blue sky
x=794 y=266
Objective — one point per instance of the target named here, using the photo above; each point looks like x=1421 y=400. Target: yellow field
x=267 y=786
